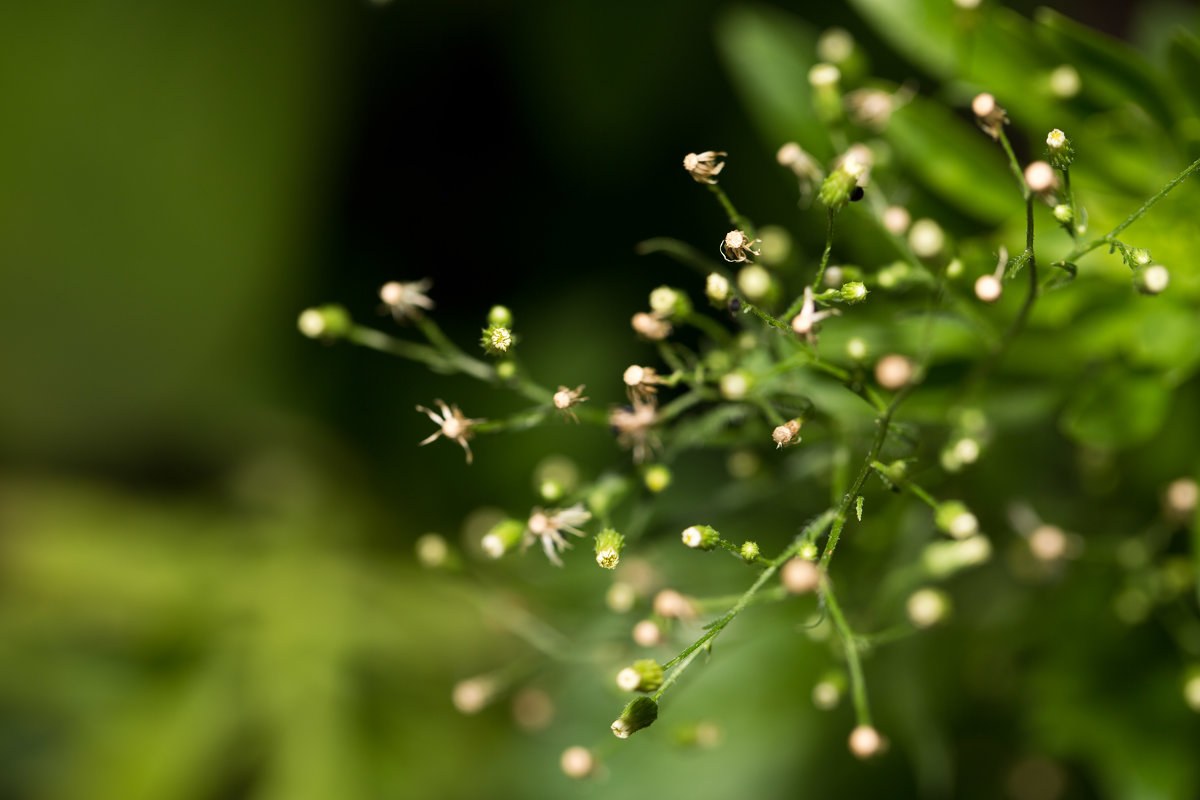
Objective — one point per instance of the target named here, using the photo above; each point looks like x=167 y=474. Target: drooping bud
x=640 y=713
x=988 y=288
x=1152 y=280
x=927 y=607
x=1040 y=178
x=865 y=742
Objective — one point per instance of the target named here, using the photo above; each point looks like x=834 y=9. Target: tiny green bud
x=640 y=713
x=956 y=519
x=645 y=675
x=500 y=317
x=835 y=191
x=325 y=322
x=497 y=339
x=927 y=607
x=716 y=286
x=1062 y=213
x=1059 y=152
x=668 y=302
x=856 y=348
x=735 y=385
x=854 y=292
x=749 y=551
x=808 y=551
x=551 y=490
x=506 y=370
x=657 y=477
x=942 y=559
x=608 y=548
x=896 y=472
x=701 y=537
x=755 y=282
x=1141 y=256
x=504 y=536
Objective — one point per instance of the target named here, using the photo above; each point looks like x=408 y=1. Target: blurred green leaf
x=1117 y=409
x=954 y=160
x=1112 y=72
x=1183 y=60
x=917 y=29
x=769 y=53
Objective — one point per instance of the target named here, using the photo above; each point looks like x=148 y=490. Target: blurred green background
x=206 y=520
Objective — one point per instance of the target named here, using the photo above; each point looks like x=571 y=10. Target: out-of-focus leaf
x=1112 y=72
x=917 y=29
x=769 y=53
x=1164 y=336
x=953 y=160
x=1064 y=275
x=1183 y=59
x=1117 y=409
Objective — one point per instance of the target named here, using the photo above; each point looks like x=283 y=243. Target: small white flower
x=804 y=322
x=453 y=425
x=547 y=526
x=564 y=398
x=407 y=300
x=704 y=167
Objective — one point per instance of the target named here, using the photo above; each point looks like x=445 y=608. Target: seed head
x=704 y=167
x=787 y=433
x=737 y=247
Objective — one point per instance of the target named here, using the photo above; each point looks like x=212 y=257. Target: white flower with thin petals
x=407 y=299
x=452 y=424
x=548 y=526
x=804 y=322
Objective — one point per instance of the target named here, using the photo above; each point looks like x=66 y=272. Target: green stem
x=1014 y=165
x=436 y=359
x=683 y=253
x=1074 y=231
x=858 y=685
x=1135 y=216
x=736 y=219
x=824 y=256
x=684 y=659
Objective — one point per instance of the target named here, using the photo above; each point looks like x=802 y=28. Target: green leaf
x=917 y=29
x=954 y=160
x=1117 y=409
x=1183 y=61
x=1113 y=73
x=768 y=53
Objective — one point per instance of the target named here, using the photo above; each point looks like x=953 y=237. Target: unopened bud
x=927 y=607
x=1152 y=280
x=647 y=633
x=1040 y=178
x=854 y=292
x=716 y=287
x=989 y=115
x=1058 y=149
x=701 y=537
x=800 y=576
x=988 y=288
x=325 y=322
x=955 y=519
x=657 y=478
x=645 y=675
x=668 y=302
x=500 y=316
x=503 y=536
x=749 y=551
x=893 y=371
x=1063 y=214
x=577 y=762
x=787 y=433
x=640 y=713
x=865 y=742
x=608 y=548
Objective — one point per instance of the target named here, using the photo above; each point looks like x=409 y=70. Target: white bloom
x=407 y=299
x=547 y=526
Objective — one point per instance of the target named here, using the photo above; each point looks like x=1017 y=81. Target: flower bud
x=1065 y=82
x=432 y=551
x=657 y=478
x=325 y=322
x=645 y=675
x=755 y=282
x=896 y=220
x=1152 y=280
x=734 y=385
x=942 y=559
x=496 y=339
x=650 y=326
x=500 y=317
x=503 y=536
x=647 y=633
x=1040 y=178
x=1059 y=152
x=856 y=348
x=577 y=762
x=837 y=188
x=1063 y=214
x=824 y=79
x=893 y=371
x=990 y=117
x=865 y=742
x=800 y=576
x=716 y=287
x=608 y=548
x=640 y=713
x=701 y=537
x=668 y=302
x=926 y=238
x=506 y=370
x=670 y=604
x=749 y=551
x=955 y=519
x=927 y=607
x=854 y=292
x=988 y=288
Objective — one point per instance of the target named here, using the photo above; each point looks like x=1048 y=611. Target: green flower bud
x=854 y=292
x=716 y=287
x=645 y=675
x=956 y=519
x=1059 y=152
x=640 y=713
x=657 y=477
x=835 y=191
x=506 y=370
x=325 y=322
x=701 y=537
x=1152 y=280
x=497 y=339
x=608 y=548
x=500 y=317
x=668 y=302
x=503 y=537
x=1062 y=213
x=749 y=551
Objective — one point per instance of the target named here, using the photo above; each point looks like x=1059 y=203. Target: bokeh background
x=207 y=587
